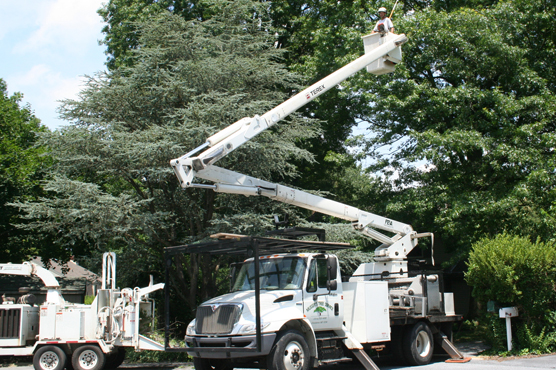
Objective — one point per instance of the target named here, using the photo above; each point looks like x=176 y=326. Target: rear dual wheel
x=88 y=358
x=418 y=344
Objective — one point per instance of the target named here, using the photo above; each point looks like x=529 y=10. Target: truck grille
x=217 y=318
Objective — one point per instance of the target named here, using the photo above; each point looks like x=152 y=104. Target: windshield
x=274 y=273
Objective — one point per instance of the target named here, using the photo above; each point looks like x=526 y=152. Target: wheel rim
x=88 y=359
x=49 y=360
x=423 y=343
x=294 y=356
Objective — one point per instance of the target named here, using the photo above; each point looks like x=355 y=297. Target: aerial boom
x=188 y=167
x=233 y=136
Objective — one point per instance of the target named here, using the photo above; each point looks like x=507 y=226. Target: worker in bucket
x=384 y=24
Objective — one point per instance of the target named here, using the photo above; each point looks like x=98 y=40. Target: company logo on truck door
x=319 y=307
x=315 y=91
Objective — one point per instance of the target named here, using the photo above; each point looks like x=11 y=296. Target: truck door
x=323 y=308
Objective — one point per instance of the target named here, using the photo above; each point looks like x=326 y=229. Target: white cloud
x=64 y=24
x=47 y=46
x=35 y=74
x=44 y=88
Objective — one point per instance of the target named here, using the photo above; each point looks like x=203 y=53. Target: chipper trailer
x=60 y=334
x=289 y=310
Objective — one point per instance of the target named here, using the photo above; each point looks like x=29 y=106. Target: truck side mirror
x=332 y=284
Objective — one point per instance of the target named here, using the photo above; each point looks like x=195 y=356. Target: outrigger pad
x=458 y=360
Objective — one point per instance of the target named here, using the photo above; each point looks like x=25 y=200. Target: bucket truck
x=291 y=311
x=60 y=334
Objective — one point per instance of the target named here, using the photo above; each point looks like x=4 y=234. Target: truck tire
x=290 y=352
x=418 y=344
x=211 y=364
x=115 y=359
x=88 y=358
x=49 y=358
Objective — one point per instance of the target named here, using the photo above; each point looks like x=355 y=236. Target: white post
x=509 y=332
x=507 y=313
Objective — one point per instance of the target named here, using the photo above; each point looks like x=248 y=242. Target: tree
x=114 y=188
x=123 y=17
x=475 y=107
x=23 y=165
x=318 y=38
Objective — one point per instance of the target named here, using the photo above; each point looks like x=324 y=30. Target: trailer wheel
x=115 y=359
x=211 y=364
x=88 y=358
x=418 y=344
x=290 y=352
x=49 y=358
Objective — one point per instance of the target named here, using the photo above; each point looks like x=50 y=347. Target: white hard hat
x=383 y=9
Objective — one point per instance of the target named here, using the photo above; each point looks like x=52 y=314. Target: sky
x=46 y=49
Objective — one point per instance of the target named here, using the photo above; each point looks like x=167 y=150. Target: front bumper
x=229 y=346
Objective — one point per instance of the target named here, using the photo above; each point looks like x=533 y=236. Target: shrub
x=516 y=272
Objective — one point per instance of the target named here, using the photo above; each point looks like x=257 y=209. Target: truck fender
x=304 y=327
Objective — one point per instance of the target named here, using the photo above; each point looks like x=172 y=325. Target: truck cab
x=304 y=288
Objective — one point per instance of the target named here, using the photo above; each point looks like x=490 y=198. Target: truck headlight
x=251 y=328
x=190 y=328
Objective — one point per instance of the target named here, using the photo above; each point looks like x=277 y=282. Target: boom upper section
x=382 y=52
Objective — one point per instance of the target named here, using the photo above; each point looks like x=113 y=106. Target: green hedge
x=516 y=272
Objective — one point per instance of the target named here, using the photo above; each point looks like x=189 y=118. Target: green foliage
x=123 y=19
x=320 y=37
x=533 y=340
x=113 y=188
x=470 y=142
x=23 y=164
x=516 y=272
x=89 y=299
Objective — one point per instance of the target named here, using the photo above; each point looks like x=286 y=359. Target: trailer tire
x=49 y=358
x=211 y=364
x=115 y=359
x=290 y=352
x=88 y=357
x=418 y=344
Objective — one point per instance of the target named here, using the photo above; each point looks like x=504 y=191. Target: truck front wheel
x=418 y=344
x=49 y=358
x=88 y=358
x=290 y=352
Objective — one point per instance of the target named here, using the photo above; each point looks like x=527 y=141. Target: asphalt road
x=476 y=363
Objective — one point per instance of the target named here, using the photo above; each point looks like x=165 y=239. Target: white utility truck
x=293 y=311
x=60 y=334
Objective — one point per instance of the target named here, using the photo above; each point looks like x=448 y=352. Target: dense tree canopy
x=475 y=104
x=21 y=170
x=113 y=187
